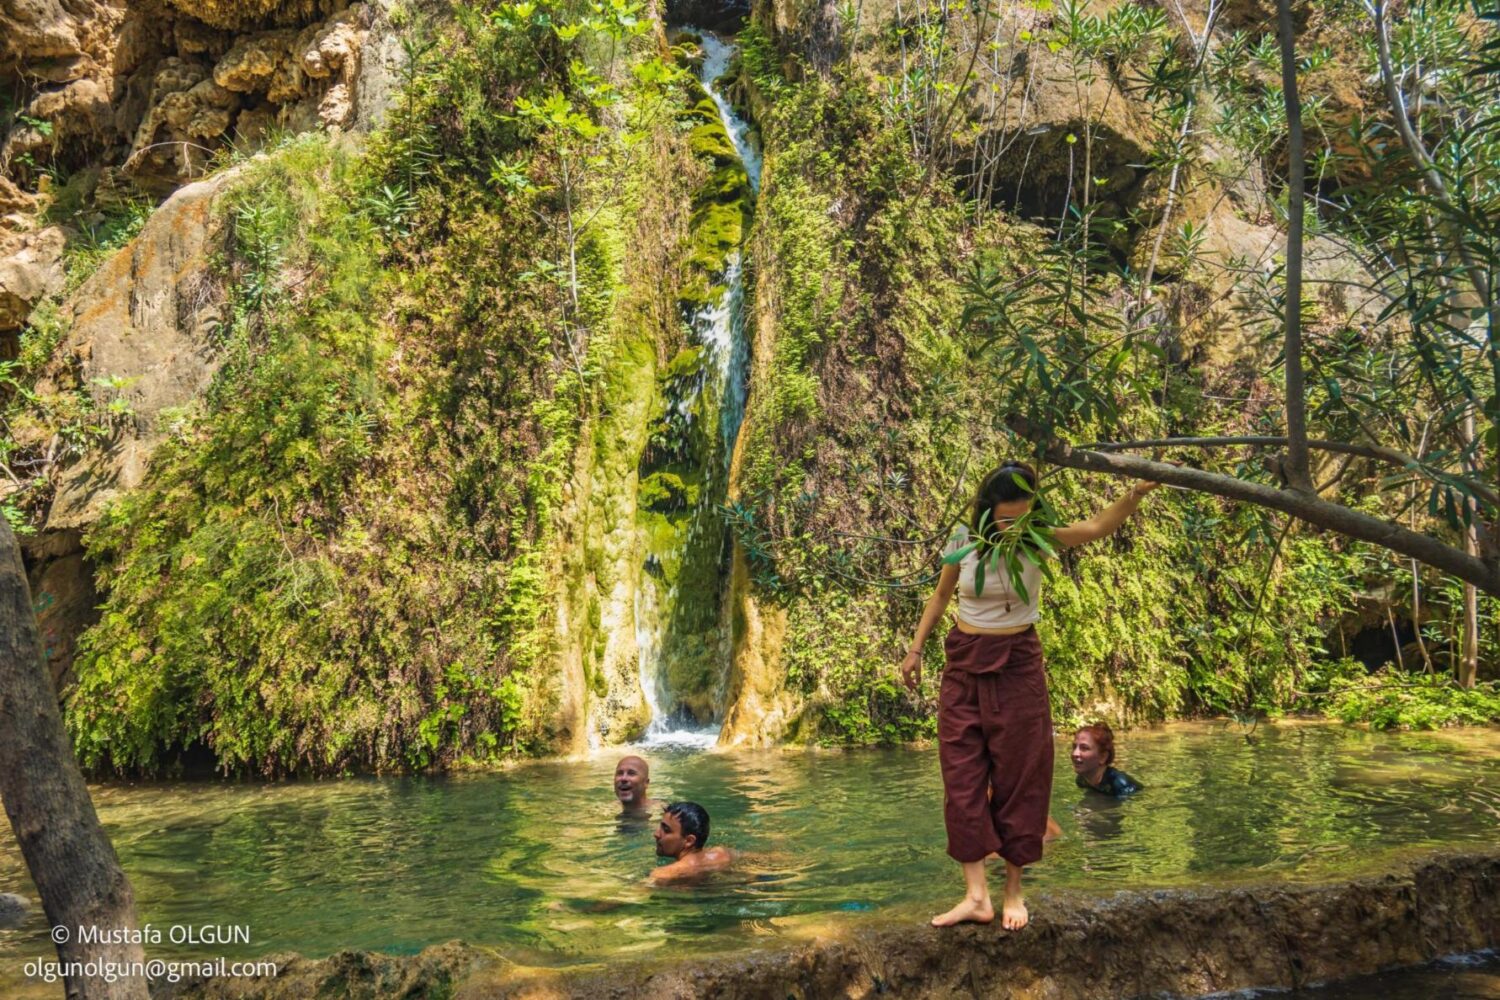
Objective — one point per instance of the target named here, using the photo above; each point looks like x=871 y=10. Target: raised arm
x=911 y=666
x=1107 y=521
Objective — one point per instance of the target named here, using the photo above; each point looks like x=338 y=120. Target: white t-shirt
x=999 y=606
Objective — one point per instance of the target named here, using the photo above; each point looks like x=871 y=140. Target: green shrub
x=1392 y=700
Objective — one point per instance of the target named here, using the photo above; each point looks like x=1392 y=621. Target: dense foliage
x=361 y=549
x=1196 y=605
x=412 y=324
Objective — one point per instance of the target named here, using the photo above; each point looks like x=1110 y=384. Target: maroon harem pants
x=995 y=746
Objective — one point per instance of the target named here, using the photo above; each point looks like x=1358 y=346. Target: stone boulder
x=1228 y=328
x=31 y=269
x=295 y=78
x=254 y=62
x=56 y=41
x=56 y=60
x=157 y=87
x=16 y=205
x=145 y=322
x=186 y=107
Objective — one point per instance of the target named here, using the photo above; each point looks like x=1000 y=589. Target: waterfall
x=718 y=328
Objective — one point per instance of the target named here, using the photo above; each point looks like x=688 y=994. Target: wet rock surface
x=30 y=270
x=717 y=15
x=1158 y=943
x=13 y=910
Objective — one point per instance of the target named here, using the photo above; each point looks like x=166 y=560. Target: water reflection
x=538 y=861
x=1474 y=977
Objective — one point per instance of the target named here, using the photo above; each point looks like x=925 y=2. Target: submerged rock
x=1172 y=942
x=13 y=910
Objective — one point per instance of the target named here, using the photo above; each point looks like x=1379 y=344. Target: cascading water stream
x=719 y=327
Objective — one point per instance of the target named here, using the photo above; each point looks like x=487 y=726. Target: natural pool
x=534 y=860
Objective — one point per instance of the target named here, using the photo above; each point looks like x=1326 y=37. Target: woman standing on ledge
x=994 y=719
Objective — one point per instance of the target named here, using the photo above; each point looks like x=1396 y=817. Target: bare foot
x=968 y=911
x=1013 y=915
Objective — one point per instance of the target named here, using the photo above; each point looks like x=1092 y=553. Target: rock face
x=64 y=597
x=157 y=89
x=140 y=330
x=727 y=16
x=144 y=324
x=30 y=270
x=1144 y=943
x=760 y=711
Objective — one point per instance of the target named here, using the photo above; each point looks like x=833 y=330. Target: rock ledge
x=1082 y=947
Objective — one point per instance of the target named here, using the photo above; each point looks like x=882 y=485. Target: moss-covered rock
x=718 y=229
x=665 y=491
x=685 y=364
x=710 y=140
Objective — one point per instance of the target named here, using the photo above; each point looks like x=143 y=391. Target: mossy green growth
x=1392 y=700
x=704 y=110
x=717 y=230
x=679 y=498
x=345 y=559
x=685 y=364
x=870 y=419
x=666 y=491
x=727 y=183
x=710 y=140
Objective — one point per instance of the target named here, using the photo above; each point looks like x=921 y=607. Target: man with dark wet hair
x=683 y=836
x=632 y=779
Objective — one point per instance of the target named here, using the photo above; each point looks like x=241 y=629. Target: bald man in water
x=632 y=779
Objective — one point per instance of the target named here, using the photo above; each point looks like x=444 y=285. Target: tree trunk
x=1468 y=665
x=66 y=850
x=1297 y=467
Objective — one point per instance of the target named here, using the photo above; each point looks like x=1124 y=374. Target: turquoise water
x=534 y=860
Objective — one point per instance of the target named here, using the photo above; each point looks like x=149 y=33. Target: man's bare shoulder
x=712 y=859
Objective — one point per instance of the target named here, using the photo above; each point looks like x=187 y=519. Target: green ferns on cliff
x=344 y=557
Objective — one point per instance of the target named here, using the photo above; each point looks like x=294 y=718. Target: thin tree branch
x=1415 y=147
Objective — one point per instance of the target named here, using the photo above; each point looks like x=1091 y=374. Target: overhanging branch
x=1374 y=452
x=1303 y=506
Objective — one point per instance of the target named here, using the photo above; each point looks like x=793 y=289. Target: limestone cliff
x=857 y=421
x=140 y=340
x=124 y=102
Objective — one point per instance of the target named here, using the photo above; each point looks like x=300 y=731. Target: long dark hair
x=1000 y=486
